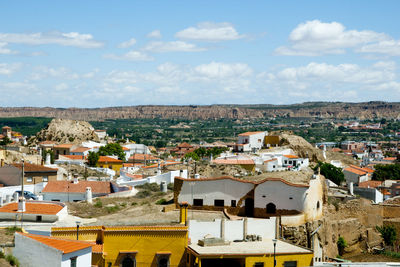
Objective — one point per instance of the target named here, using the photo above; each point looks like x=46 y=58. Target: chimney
x=89 y=195
x=76 y=180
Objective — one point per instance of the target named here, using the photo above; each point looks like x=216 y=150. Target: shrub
x=143 y=194
x=2 y=255
x=112 y=209
x=162 y=201
x=123 y=204
x=388 y=233
x=98 y=204
x=133 y=203
x=341 y=244
x=12 y=230
x=170 y=186
x=153 y=187
x=12 y=260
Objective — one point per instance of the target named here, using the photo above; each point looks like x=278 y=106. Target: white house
x=36 y=211
x=293 y=161
x=354 y=174
x=81 y=151
x=37 y=250
x=250 y=141
x=131 y=149
x=266 y=198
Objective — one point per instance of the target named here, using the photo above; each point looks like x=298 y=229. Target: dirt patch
x=4 y=263
x=366 y=257
x=7 y=234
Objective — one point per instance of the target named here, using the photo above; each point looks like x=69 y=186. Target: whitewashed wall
x=210 y=190
x=313 y=197
x=168 y=177
x=233 y=229
x=279 y=193
x=84 y=258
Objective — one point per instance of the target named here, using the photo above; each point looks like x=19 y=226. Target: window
x=163 y=261
x=290 y=264
x=273 y=166
x=45 y=179
x=259 y=264
x=317 y=205
x=57 y=200
x=271 y=208
x=128 y=261
x=29 y=179
x=198 y=202
x=73 y=262
x=219 y=202
x=285 y=161
x=38 y=218
x=109 y=264
x=233 y=203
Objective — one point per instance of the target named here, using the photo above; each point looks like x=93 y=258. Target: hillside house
x=356 y=175
x=265 y=198
x=47 y=145
x=111 y=163
x=38 y=250
x=143 y=159
x=63 y=149
x=293 y=161
x=246 y=163
x=35 y=211
x=250 y=141
x=182 y=149
x=81 y=151
x=11 y=174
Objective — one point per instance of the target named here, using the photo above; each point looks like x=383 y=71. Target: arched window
x=271 y=208
x=163 y=262
x=128 y=261
x=317 y=205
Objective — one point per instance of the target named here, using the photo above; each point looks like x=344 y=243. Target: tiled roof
x=291 y=156
x=64 y=245
x=234 y=161
x=270 y=160
x=142 y=157
x=80 y=149
x=33 y=208
x=365 y=169
x=48 y=143
x=125 y=148
x=71 y=157
x=249 y=133
x=356 y=171
x=98 y=187
x=390 y=158
x=28 y=167
x=109 y=159
x=336 y=149
x=64 y=146
x=6 y=127
x=185 y=145
x=242 y=181
x=370 y=184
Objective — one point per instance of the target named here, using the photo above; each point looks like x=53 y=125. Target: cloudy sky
x=118 y=53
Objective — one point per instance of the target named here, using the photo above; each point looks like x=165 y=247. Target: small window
x=219 y=202
x=317 y=205
x=290 y=198
x=233 y=203
x=273 y=167
x=29 y=179
x=259 y=264
x=290 y=264
x=163 y=262
x=285 y=161
x=56 y=200
x=45 y=179
x=109 y=264
x=73 y=262
x=197 y=202
x=38 y=218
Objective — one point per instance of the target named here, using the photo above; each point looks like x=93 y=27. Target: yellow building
x=110 y=163
x=249 y=254
x=126 y=246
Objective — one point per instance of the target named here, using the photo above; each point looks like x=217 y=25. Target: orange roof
x=134 y=176
x=185 y=145
x=362 y=168
x=142 y=157
x=97 y=248
x=80 y=149
x=64 y=146
x=72 y=157
x=234 y=161
x=241 y=180
x=291 y=156
x=370 y=184
x=125 y=148
x=269 y=160
x=249 y=133
x=34 y=208
x=390 y=158
x=356 y=171
x=109 y=159
x=28 y=167
x=64 y=245
x=98 y=187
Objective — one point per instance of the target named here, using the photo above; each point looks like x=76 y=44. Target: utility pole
x=22 y=193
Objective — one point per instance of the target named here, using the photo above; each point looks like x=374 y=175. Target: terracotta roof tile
x=356 y=171
x=142 y=157
x=370 y=184
x=98 y=187
x=71 y=157
x=234 y=161
x=184 y=145
x=64 y=146
x=33 y=208
x=80 y=149
x=250 y=133
x=109 y=159
x=64 y=245
x=28 y=167
x=48 y=143
x=291 y=156
x=241 y=180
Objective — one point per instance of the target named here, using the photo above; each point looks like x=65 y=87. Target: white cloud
x=131 y=56
x=154 y=34
x=314 y=38
x=129 y=43
x=223 y=70
x=210 y=32
x=9 y=68
x=44 y=72
x=59 y=38
x=388 y=47
x=61 y=87
x=4 y=50
x=173 y=46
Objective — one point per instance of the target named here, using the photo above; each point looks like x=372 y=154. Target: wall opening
x=249 y=207
x=271 y=208
x=219 y=202
x=198 y=202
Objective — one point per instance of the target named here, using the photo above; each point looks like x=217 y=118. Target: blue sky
x=118 y=53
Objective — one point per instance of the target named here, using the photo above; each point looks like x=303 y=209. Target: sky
x=124 y=53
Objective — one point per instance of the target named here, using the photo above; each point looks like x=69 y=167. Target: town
x=81 y=197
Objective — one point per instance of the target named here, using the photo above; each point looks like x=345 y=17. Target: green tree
x=331 y=172
x=341 y=244
x=93 y=158
x=112 y=149
x=191 y=155
x=5 y=141
x=386 y=171
x=44 y=154
x=388 y=233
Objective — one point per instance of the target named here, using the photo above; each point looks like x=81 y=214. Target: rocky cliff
x=67 y=131
x=366 y=110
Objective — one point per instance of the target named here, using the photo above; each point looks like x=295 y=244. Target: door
x=249 y=207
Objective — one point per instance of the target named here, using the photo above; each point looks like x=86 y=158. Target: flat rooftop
x=249 y=248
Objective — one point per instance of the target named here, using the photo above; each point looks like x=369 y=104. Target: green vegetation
x=12 y=230
x=341 y=244
x=153 y=187
x=112 y=149
x=112 y=209
x=2 y=255
x=392 y=254
x=12 y=260
x=5 y=141
x=44 y=154
x=98 y=204
x=162 y=201
x=388 y=233
x=93 y=158
x=386 y=171
x=26 y=125
x=143 y=194
x=331 y=172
